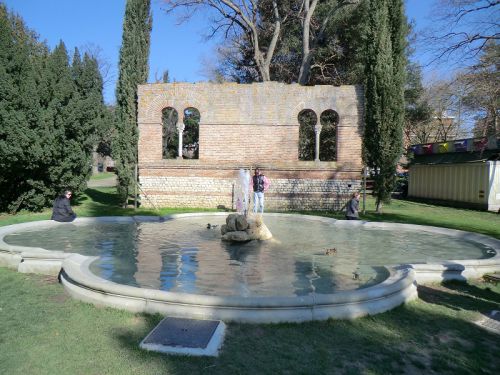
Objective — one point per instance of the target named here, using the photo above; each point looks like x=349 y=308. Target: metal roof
x=457 y=157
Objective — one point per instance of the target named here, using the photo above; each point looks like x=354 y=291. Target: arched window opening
x=170 y=134
x=329 y=120
x=307 y=120
x=191 y=134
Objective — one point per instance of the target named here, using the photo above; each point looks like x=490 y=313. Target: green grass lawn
x=102 y=175
x=43 y=331
x=99 y=201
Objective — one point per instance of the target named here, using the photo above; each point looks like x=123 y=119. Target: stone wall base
x=218 y=187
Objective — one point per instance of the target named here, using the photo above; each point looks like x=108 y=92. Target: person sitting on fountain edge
x=352 y=208
x=61 y=210
x=260 y=184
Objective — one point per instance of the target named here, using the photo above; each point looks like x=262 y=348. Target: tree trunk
x=262 y=60
x=305 y=67
x=262 y=66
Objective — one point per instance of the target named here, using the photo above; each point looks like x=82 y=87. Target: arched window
x=329 y=120
x=191 y=135
x=170 y=134
x=307 y=120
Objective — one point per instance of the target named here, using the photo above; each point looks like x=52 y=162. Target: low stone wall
x=178 y=184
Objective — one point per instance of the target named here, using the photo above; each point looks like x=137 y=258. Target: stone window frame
x=336 y=126
x=317 y=130
x=181 y=138
x=180 y=124
x=163 y=127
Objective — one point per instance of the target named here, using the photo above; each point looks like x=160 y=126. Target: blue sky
x=181 y=49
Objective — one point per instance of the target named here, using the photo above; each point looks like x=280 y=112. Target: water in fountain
x=182 y=255
x=242 y=227
x=242 y=192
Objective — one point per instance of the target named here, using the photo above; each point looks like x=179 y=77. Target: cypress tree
x=59 y=120
x=133 y=70
x=384 y=93
x=399 y=32
x=73 y=114
x=86 y=116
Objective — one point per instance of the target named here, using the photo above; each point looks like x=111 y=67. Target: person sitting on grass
x=352 y=209
x=61 y=210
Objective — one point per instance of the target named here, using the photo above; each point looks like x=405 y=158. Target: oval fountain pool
x=178 y=261
x=184 y=256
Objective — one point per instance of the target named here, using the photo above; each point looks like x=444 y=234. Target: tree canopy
x=51 y=113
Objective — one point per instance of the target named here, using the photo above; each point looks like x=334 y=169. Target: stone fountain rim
x=398 y=288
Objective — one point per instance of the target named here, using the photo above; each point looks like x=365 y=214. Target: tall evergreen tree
x=133 y=70
x=22 y=143
x=418 y=112
x=85 y=122
x=58 y=119
x=49 y=113
x=384 y=93
x=399 y=31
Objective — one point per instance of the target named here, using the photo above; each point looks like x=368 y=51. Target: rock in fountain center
x=241 y=228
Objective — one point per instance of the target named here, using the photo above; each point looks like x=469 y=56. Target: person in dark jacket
x=352 y=207
x=61 y=210
x=260 y=184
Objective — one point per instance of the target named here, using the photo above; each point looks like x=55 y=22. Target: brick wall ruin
x=243 y=126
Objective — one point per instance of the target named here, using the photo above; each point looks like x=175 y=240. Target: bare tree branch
x=241 y=14
x=309 y=42
x=461 y=29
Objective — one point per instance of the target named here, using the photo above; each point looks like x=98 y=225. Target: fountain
x=178 y=267
x=242 y=193
x=240 y=228
x=243 y=226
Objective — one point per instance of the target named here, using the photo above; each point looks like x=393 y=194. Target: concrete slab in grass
x=186 y=336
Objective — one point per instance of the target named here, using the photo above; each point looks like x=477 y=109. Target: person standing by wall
x=260 y=184
x=352 y=208
x=61 y=211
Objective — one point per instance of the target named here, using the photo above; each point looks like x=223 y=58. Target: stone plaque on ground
x=186 y=336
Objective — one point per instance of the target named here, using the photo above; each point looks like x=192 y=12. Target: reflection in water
x=182 y=255
x=118 y=254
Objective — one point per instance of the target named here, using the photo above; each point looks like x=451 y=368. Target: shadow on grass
x=130 y=339
x=105 y=196
x=460 y=300
x=479 y=294
x=422 y=337
x=104 y=201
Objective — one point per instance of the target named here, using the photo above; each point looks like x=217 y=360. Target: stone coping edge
x=76 y=270
x=80 y=283
x=398 y=288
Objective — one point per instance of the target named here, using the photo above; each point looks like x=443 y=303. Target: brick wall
x=242 y=126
